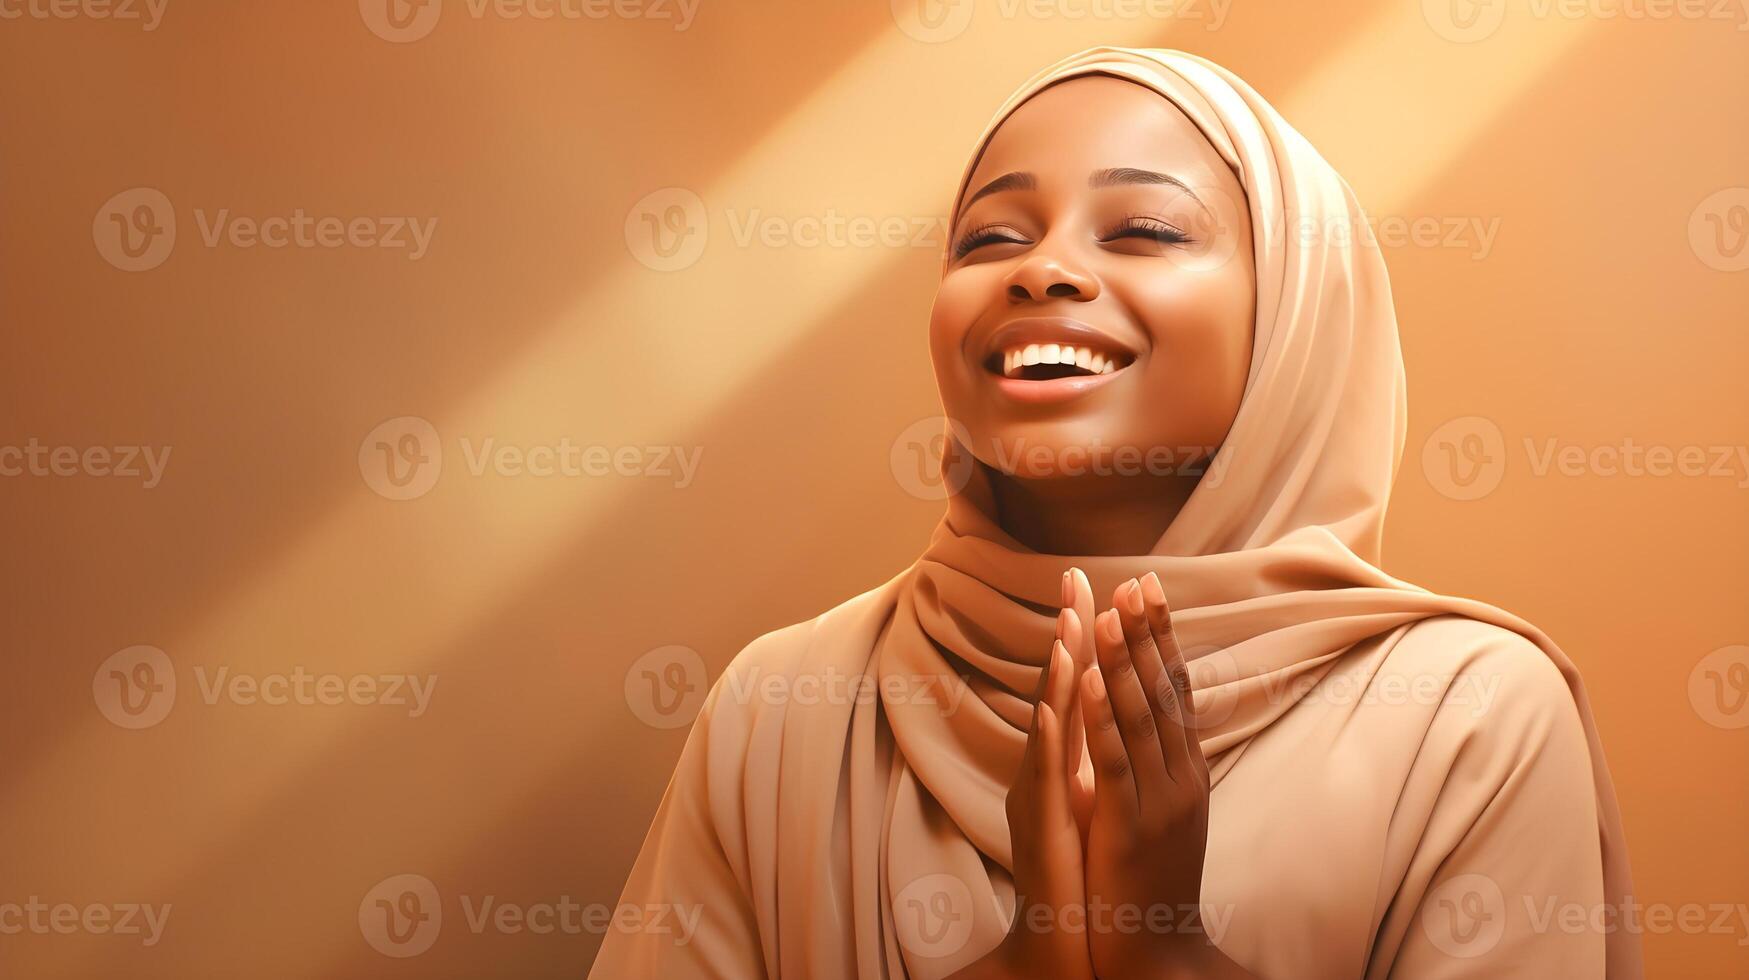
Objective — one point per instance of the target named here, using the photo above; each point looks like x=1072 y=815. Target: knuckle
x=1180 y=676
x=1166 y=627
x=1144 y=724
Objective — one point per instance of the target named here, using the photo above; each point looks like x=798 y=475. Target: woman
x=1174 y=383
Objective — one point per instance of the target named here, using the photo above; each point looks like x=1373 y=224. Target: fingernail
x=1068 y=590
x=1098 y=683
x=1133 y=598
x=1109 y=623
x=1151 y=588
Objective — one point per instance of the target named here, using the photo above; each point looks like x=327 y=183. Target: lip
x=1053 y=390
x=1052 y=330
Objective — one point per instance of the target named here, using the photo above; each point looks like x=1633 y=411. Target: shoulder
x=842 y=633
x=781 y=669
x=1504 y=698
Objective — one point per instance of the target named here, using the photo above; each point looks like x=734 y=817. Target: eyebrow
x=1015 y=181
x=1130 y=175
x=1110 y=177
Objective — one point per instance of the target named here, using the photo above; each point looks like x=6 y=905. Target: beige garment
x=1404 y=784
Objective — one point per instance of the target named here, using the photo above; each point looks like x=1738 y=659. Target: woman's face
x=1098 y=304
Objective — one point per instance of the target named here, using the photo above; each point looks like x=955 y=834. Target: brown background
x=1588 y=143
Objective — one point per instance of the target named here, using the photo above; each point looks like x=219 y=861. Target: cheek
x=1201 y=326
x=958 y=301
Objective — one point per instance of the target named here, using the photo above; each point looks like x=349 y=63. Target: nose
x=1048 y=275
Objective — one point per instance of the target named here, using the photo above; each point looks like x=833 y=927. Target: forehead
x=1093 y=122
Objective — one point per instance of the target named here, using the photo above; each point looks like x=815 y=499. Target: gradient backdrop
x=424 y=304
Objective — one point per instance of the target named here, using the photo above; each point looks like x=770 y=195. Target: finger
x=1050 y=795
x=1072 y=626
x=1056 y=689
x=1078 y=595
x=1075 y=630
x=1177 y=670
x=1114 y=790
x=1069 y=631
x=1038 y=690
x=1055 y=822
x=1023 y=809
x=1135 y=717
x=1029 y=754
x=1060 y=684
x=1022 y=802
x=1057 y=877
x=1067 y=674
x=1163 y=699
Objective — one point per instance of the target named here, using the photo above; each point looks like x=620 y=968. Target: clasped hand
x=1108 y=813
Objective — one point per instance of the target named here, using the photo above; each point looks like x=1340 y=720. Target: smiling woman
x=1143 y=271
x=1267 y=757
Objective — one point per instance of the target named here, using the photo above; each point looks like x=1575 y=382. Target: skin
x=1167 y=274
x=1146 y=835
x=1110 y=806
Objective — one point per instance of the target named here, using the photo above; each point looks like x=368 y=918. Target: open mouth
x=1044 y=360
x=1049 y=362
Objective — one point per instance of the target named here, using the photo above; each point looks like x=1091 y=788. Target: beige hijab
x=1440 y=830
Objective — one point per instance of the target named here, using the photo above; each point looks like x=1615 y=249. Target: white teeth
x=1015 y=358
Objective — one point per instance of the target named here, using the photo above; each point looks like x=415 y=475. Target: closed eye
x=1148 y=229
x=982 y=235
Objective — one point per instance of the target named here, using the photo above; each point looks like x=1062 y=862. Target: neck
x=1090 y=515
